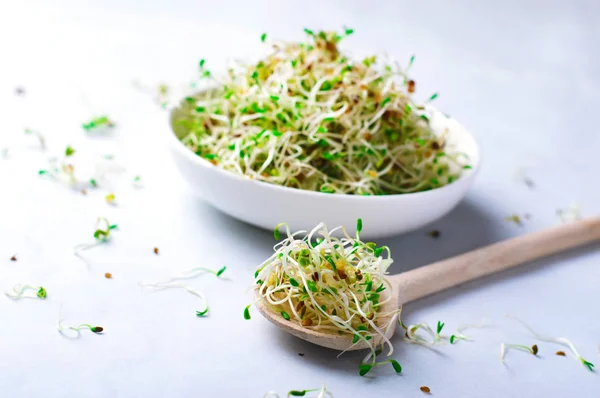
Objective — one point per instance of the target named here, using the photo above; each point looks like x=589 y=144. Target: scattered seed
x=108 y=275
x=434 y=234
x=83 y=191
x=425 y=389
x=534 y=348
x=411 y=86
x=156 y=250
x=561 y=353
x=13 y=258
x=301 y=354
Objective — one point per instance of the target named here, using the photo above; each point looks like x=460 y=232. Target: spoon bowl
x=430 y=279
x=266 y=205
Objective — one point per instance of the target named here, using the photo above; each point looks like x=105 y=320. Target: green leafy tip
x=219 y=272
x=276 y=233
x=294 y=282
x=396 y=366
x=309 y=32
x=440 y=326
x=297 y=393
x=201 y=63
x=247 y=312
x=202 y=313
x=355 y=339
x=452 y=338
x=348 y=31
x=364 y=368
x=285 y=315
x=93 y=183
x=97 y=329
x=359 y=225
x=263 y=37
x=69 y=151
x=42 y=293
x=589 y=365
x=42 y=172
x=434 y=96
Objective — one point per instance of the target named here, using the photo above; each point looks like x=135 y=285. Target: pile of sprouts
x=307 y=116
x=331 y=285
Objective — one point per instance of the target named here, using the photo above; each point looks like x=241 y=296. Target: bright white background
x=522 y=75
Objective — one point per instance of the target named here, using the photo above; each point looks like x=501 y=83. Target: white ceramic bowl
x=266 y=205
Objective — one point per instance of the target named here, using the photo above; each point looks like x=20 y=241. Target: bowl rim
x=466 y=175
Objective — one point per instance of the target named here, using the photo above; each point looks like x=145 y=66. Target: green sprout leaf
x=296 y=393
x=355 y=339
x=276 y=233
x=588 y=364
x=359 y=225
x=364 y=368
x=93 y=183
x=42 y=172
x=452 y=338
x=42 y=293
x=285 y=315
x=440 y=326
x=312 y=286
x=263 y=37
x=309 y=32
x=69 y=151
x=202 y=313
x=247 y=312
x=219 y=272
x=378 y=251
x=348 y=31
x=201 y=63
x=294 y=282
x=396 y=366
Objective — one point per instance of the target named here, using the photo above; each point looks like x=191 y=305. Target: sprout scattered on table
x=26 y=291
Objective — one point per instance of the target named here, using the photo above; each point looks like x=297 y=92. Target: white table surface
x=521 y=75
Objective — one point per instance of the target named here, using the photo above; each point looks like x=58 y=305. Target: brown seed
x=411 y=86
x=156 y=250
x=561 y=353
x=108 y=275
x=306 y=322
x=301 y=354
x=299 y=306
x=371 y=316
x=435 y=145
x=425 y=389
x=13 y=258
x=342 y=274
x=534 y=348
x=315 y=276
x=83 y=191
x=434 y=234
x=97 y=329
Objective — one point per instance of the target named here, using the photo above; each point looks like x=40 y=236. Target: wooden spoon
x=433 y=278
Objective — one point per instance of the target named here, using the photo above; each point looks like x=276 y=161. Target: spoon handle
x=466 y=267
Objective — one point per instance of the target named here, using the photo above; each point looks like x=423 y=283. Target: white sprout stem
x=19 y=291
x=168 y=285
